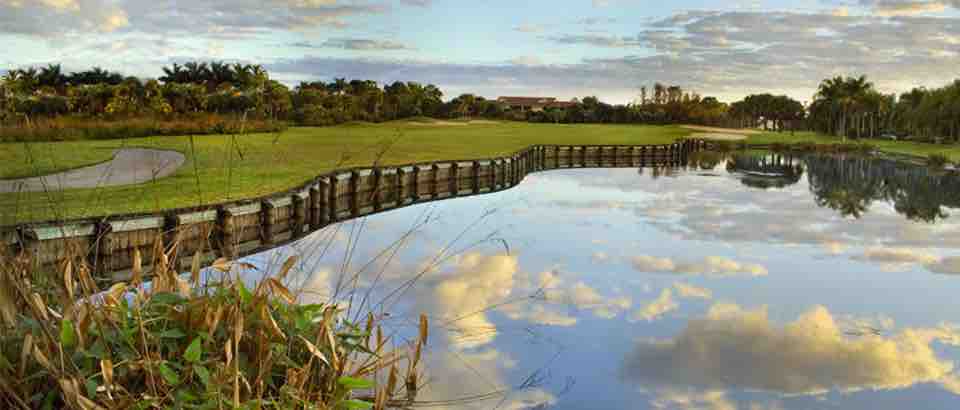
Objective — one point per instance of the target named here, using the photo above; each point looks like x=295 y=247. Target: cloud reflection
x=733 y=348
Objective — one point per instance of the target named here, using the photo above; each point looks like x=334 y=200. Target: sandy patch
x=442 y=123
x=716 y=136
x=128 y=166
x=718 y=130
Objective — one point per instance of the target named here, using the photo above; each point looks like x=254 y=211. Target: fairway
x=225 y=167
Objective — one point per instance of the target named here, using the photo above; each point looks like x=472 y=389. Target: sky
x=560 y=48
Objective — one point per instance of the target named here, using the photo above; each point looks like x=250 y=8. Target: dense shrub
x=70 y=128
x=187 y=342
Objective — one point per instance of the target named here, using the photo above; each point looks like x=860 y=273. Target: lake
x=752 y=281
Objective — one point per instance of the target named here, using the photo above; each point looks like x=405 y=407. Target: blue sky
x=566 y=48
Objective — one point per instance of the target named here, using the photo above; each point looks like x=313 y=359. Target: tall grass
x=206 y=341
x=74 y=128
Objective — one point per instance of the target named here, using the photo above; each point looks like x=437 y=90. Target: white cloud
x=660 y=306
x=896 y=259
x=690 y=291
x=948 y=265
x=733 y=348
x=710 y=266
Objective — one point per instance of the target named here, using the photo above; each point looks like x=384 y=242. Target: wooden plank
x=196 y=217
x=243 y=210
x=45 y=233
x=138 y=224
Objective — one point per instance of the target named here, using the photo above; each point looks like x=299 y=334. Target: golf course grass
x=224 y=167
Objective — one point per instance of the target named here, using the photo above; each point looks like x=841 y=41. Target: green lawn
x=218 y=169
x=899 y=147
x=221 y=168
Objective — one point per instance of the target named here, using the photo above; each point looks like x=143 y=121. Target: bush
x=185 y=344
x=71 y=128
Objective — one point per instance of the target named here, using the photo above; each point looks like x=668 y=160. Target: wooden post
x=434 y=184
x=476 y=177
x=266 y=223
x=332 y=199
x=225 y=227
x=299 y=214
x=556 y=156
x=354 y=194
x=454 y=180
x=583 y=156
x=377 y=186
x=415 y=192
x=398 y=188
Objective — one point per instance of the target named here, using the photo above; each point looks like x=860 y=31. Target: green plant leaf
x=91 y=386
x=353 y=383
x=245 y=294
x=68 y=335
x=169 y=375
x=172 y=334
x=203 y=374
x=167 y=298
x=355 y=405
x=194 y=351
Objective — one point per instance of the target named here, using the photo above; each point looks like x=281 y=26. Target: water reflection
x=738 y=282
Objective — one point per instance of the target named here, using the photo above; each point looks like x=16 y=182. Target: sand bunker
x=721 y=131
x=716 y=136
x=128 y=166
x=441 y=123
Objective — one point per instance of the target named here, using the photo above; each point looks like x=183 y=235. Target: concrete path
x=128 y=166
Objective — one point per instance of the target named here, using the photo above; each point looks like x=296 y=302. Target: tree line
x=849 y=107
x=222 y=88
x=852 y=107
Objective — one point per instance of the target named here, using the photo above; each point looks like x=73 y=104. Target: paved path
x=128 y=166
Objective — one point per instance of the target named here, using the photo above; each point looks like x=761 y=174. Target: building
x=533 y=104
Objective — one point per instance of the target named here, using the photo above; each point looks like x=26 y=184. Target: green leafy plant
x=179 y=342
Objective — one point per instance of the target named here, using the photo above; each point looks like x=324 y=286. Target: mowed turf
x=222 y=167
x=899 y=147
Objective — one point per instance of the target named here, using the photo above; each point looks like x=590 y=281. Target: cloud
x=733 y=348
x=890 y=8
x=660 y=306
x=710 y=266
x=460 y=299
x=895 y=259
x=948 y=265
x=52 y=17
x=690 y=291
x=356 y=44
x=551 y=292
x=529 y=28
x=596 y=40
x=227 y=18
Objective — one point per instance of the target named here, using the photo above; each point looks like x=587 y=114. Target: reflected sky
x=746 y=282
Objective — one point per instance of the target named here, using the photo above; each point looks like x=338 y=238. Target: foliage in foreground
x=74 y=128
x=180 y=343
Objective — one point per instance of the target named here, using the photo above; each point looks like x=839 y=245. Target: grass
x=223 y=167
x=918 y=149
x=203 y=341
x=226 y=167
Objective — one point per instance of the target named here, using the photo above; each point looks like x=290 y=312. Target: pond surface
x=748 y=282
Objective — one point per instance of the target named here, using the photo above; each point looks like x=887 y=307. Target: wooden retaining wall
x=241 y=228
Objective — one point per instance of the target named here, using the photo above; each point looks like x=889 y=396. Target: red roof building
x=534 y=104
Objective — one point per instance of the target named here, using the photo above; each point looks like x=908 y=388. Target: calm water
x=755 y=282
